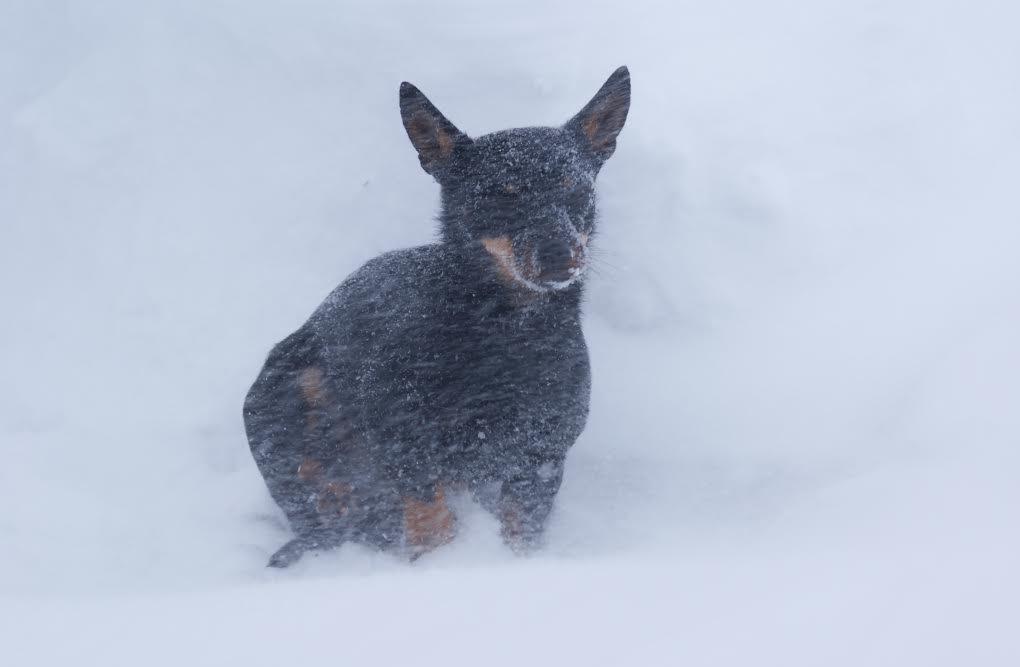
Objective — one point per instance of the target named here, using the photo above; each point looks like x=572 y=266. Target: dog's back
x=457 y=365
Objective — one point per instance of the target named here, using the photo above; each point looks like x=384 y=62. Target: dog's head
x=525 y=196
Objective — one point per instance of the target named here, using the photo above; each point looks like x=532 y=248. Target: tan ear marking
x=429 y=138
x=445 y=142
x=418 y=127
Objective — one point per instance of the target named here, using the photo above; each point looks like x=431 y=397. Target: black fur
x=457 y=365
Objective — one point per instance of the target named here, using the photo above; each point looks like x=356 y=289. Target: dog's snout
x=554 y=255
x=559 y=259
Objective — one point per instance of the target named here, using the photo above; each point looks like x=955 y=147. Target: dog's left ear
x=434 y=137
x=601 y=120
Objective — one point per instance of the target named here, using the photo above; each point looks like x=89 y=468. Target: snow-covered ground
x=805 y=435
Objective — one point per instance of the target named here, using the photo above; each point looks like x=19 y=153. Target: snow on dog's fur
x=456 y=365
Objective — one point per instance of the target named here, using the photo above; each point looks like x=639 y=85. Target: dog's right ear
x=434 y=137
x=600 y=121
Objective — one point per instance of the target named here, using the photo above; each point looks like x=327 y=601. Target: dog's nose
x=554 y=254
x=555 y=257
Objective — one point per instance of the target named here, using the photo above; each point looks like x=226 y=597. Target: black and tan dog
x=453 y=366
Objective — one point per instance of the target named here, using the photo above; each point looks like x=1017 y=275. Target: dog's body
x=458 y=365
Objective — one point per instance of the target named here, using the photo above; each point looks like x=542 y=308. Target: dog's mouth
x=524 y=266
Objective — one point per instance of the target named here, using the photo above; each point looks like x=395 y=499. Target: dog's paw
x=288 y=554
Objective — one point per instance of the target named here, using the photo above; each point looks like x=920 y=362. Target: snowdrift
x=803 y=325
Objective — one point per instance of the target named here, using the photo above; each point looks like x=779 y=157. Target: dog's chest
x=507 y=360
x=473 y=372
x=512 y=382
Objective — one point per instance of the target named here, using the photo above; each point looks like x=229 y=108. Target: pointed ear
x=601 y=120
x=434 y=137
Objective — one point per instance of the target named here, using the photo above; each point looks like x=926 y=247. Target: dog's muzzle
x=552 y=264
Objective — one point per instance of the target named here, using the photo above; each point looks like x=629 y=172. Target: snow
x=803 y=325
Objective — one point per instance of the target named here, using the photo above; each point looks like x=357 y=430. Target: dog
x=458 y=366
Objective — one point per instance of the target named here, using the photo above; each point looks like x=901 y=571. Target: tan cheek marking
x=577 y=256
x=502 y=250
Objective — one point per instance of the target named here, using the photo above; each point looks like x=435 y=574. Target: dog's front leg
x=428 y=523
x=526 y=501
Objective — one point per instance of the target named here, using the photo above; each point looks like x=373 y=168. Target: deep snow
x=803 y=327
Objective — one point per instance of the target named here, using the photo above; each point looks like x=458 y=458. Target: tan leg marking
x=311 y=380
x=511 y=528
x=428 y=525
x=310 y=470
x=334 y=498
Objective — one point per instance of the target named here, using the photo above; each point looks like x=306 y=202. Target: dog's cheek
x=501 y=249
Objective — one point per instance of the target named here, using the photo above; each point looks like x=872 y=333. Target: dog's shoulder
x=383 y=277
x=394 y=287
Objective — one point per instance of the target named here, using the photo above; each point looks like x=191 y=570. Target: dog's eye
x=500 y=191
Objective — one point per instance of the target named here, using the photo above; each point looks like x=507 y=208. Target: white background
x=804 y=323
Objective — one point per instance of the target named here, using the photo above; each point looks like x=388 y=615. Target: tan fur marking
x=419 y=127
x=309 y=470
x=502 y=250
x=311 y=381
x=333 y=499
x=428 y=525
x=511 y=527
x=432 y=141
x=591 y=127
x=445 y=142
x=510 y=188
x=577 y=254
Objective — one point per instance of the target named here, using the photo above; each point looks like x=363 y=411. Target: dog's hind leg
x=287 y=420
x=289 y=553
x=293 y=550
